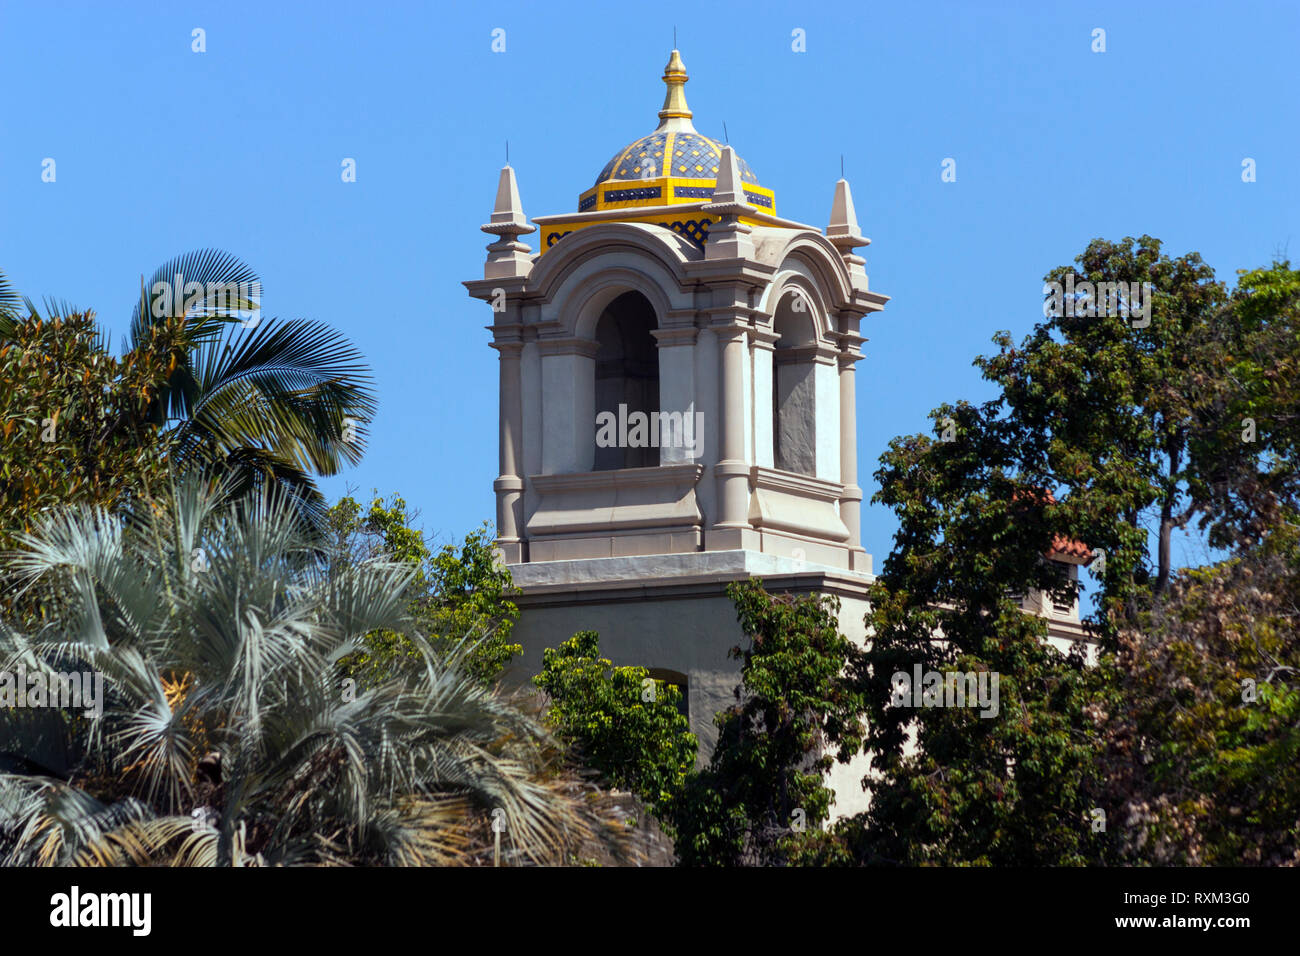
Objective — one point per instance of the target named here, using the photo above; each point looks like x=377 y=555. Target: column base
x=723 y=537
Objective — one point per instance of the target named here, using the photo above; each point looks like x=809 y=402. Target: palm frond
x=215 y=273
x=298 y=388
x=10 y=307
x=227 y=735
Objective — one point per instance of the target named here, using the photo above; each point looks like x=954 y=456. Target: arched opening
x=627 y=384
x=794 y=387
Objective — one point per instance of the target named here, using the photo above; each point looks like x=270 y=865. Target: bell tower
x=677 y=404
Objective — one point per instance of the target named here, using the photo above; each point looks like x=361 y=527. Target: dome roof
x=687 y=155
x=673 y=165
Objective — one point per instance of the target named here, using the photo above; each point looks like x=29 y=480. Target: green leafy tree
x=459 y=596
x=1107 y=407
x=1108 y=430
x=263 y=402
x=1254 y=400
x=1203 y=756
x=74 y=419
x=763 y=796
x=624 y=723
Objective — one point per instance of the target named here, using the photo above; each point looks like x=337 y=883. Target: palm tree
x=227 y=734
x=262 y=402
x=10 y=303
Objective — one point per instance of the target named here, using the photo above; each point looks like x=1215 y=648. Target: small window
x=1063 y=604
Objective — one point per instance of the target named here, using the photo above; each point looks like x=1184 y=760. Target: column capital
x=568 y=345
x=509 y=348
x=510 y=287
x=730 y=332
x=849 y=360
x=815 y=352
x=505 y=332
x=674 y=337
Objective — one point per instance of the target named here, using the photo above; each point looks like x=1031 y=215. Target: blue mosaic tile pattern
x=697 y=231
x=694 y=156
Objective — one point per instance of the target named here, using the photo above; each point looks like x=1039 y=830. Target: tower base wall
x=670 y=613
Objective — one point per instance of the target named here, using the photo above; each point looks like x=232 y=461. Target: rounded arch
x=581 y=275
x=799 y=308
x=626 y=381
x=585 y=302
x=797 y=292
x=812 y=256
x=796 y=320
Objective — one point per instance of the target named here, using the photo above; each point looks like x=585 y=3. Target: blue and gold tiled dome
x=682 y=154
x=674 y=164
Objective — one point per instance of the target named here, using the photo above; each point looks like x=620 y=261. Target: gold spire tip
x=675 y=76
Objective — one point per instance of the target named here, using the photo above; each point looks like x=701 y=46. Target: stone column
x=851 y=503
x=509 y=485
x=732 y=470
x=851 y=500
x=762 y=348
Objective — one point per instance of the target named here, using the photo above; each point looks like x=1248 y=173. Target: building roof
x=684 y=154
x=1062 y=548
x=674 y=164
x=1067 y=548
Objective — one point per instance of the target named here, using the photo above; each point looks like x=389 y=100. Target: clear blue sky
x=160 y=150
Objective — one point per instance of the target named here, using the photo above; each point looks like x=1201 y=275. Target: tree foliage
x=458 y=597
x=206 y=383
x=1203 y=746
x=1114 y=433
x=75 y=420
x=624 y=724
x=228 y=733
x=797 y=711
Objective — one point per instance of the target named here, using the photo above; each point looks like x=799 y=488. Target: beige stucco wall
x=687 y=627
x=690 y=635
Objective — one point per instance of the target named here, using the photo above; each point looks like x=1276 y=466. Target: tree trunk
x=1167 y=522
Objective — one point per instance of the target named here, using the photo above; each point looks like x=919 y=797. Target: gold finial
x=675 y=102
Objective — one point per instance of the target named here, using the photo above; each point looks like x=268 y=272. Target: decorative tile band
x=628 y=195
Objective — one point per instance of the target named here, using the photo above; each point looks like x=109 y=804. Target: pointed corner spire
x=843 y=231
x=507 y=256
x=729 y=239
x=675 y=107
x=729 y=189
x=508 y=208
x=844 y=218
